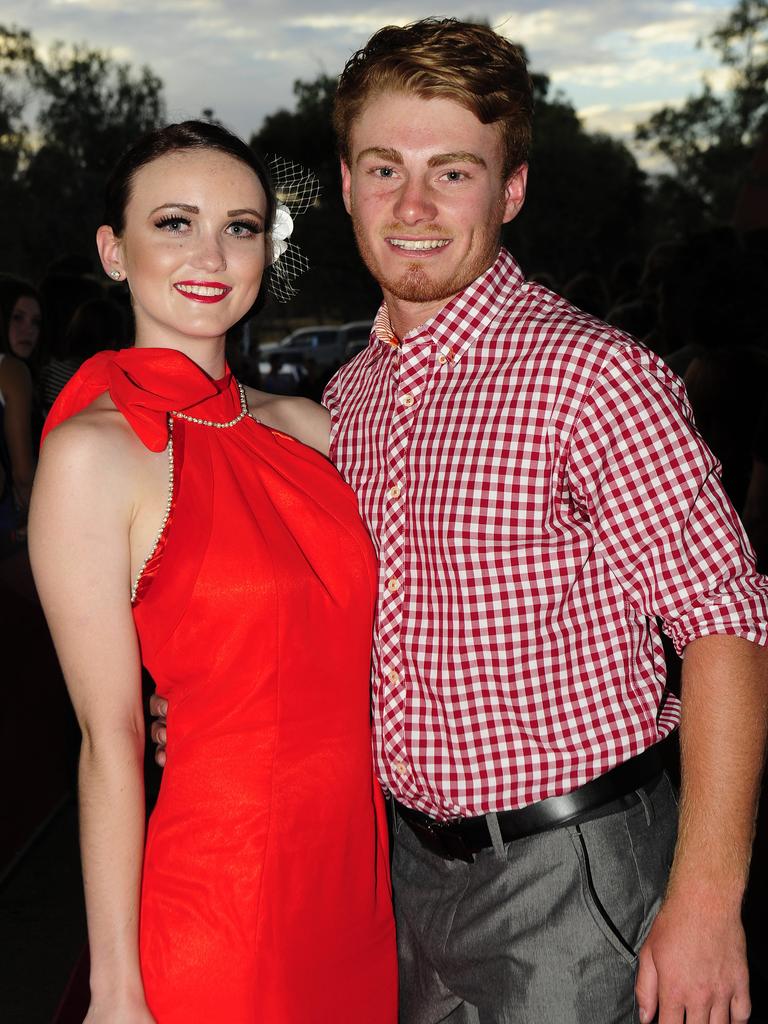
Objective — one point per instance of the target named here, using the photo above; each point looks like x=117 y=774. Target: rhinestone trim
x=168 y=503
x=212 y=423
x=203 y=423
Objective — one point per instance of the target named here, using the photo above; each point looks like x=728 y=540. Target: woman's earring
x=115 y=274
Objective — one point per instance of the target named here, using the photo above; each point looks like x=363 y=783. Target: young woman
x=22 y=320
x=21 y=316
x=182 y=520
x=19 y=335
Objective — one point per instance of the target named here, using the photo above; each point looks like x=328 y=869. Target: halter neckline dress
x=265 y=892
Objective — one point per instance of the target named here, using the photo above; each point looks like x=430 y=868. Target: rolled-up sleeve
x=650 y=488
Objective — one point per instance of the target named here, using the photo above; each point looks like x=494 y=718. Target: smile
x=419 y=244
x=203 y=291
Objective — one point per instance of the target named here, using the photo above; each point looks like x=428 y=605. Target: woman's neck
x=209 y=354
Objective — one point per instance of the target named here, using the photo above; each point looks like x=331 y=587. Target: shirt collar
x=463 y=318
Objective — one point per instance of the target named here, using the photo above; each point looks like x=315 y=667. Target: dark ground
x=42 y=922
x=42 y=918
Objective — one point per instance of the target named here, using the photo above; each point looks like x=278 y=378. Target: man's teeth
x=199 y=289
x=413 y=243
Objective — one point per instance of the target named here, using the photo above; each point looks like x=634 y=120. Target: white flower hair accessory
x=282 y=229
x=296 y=189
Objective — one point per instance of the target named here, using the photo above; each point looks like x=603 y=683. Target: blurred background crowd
x=678 y=258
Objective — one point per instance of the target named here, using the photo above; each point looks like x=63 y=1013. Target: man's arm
x=693 y=961
x=649 y=486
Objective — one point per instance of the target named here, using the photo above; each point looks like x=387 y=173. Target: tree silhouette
x=586 y=204
x=709 y=140
x=64 y=119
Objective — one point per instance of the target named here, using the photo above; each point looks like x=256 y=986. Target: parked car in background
x=321 y=342
x=354 y=338
x=328 y=345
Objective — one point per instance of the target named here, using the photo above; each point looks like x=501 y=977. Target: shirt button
x=393 y=584
x=407 y=401
x=393 y=676
x=395 y=491
x=442 y=359
x=401 y=769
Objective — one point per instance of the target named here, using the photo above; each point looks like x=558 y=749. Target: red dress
x=265 y=894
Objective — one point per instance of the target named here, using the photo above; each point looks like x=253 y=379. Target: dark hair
x=62 y=294
x=171 y=139
x=96 y=324
x=11 y=290
x=442 y=57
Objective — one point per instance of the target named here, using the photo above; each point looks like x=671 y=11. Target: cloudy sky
x=617 y=60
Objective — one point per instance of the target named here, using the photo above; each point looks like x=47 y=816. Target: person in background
x=96 y=324
x=19 y=336
x=22 y=323
x=22 y=318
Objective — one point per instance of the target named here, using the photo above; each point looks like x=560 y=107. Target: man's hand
x=158 y=708
x=693 y=963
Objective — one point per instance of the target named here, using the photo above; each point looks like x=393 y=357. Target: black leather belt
x=617 y=789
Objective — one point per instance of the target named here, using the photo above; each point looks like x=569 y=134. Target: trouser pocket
x=601 y=916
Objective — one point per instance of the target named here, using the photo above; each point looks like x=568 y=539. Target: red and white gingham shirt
x=538 y=496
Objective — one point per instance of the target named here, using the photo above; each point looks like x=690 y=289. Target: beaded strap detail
x=168 y=503
x=203 y=423
x=212 y=423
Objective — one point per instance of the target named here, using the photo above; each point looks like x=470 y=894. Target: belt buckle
x=440 y=840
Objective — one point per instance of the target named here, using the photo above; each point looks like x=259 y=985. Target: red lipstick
x=203 y=291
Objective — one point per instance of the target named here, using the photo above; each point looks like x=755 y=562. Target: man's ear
x=514 y=192
x=346 y=185
x=110 y=252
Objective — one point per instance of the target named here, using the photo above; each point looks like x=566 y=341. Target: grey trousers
x=543 y=930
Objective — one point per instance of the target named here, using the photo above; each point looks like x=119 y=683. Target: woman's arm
x=79 y=527
x=16 y=385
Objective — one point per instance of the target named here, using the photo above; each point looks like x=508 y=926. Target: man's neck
x=407 y=316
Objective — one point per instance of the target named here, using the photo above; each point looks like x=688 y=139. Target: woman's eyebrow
x=239 y=213
x=176 y=206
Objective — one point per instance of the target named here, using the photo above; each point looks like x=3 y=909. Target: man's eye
x=455 y=175
x=384 y=172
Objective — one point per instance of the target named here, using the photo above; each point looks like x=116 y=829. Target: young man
x=539 y=499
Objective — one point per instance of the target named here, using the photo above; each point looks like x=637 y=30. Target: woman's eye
x=173 y=225
x=244 y=229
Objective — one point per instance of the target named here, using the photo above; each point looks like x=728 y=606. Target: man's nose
x=415 y=203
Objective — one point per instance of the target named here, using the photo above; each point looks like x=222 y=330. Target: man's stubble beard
x=415 y=284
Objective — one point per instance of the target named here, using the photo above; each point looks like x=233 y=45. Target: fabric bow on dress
x=146 y=384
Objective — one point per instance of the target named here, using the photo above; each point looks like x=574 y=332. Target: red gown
x=265 y=894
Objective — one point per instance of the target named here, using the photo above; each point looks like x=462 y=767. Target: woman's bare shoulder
x=14 y=374
x=299 y=417
x=96 y=434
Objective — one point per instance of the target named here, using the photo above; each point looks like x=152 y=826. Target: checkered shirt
x=539 y=498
